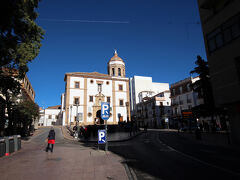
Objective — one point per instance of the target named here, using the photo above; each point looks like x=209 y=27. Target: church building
x=84 y=93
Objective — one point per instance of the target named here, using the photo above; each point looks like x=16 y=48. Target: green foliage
x=20 y=42
x=20 y=36
x=203 y=87
x=24 y=114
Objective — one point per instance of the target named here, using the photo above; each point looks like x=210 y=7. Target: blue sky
x=155 y=38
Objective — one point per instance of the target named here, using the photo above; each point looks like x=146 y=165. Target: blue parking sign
x=105 y=110
x=101 y=136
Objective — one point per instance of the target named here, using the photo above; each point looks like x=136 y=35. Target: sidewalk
x=69 y=161
x=64 y=163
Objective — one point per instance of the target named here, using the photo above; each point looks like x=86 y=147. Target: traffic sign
x=105 y=110
x=101 y=136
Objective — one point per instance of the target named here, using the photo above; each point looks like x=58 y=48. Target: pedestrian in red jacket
x=51 y=140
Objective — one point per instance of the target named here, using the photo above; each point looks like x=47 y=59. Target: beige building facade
x=84 y=93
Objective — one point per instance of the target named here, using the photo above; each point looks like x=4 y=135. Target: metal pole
x=106 y=144
x=44 y=117
x=70 y=115
x=77 y=121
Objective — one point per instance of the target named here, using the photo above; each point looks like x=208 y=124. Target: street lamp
x=70 y=115
x=77 y=118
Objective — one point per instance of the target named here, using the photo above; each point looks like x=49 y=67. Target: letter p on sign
x=101 y=136
x=105 y=110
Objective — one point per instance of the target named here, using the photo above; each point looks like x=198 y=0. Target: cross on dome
x=115 y=52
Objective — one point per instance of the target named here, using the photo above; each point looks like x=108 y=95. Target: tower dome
x=116 y=66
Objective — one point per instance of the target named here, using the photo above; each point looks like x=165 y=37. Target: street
x=151 y=155
x=150 y=158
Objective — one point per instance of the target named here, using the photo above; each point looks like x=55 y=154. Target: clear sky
x=155 y=38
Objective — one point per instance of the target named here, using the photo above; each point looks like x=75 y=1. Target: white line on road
x=198 y=160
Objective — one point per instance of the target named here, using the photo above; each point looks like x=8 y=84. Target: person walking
x=51 y=140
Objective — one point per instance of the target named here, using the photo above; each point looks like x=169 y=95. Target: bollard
x=2 y=147
x=7 y=145
x=19 y=141
x=15 y=138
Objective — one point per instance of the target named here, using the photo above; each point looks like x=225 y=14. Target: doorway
x=99 y=119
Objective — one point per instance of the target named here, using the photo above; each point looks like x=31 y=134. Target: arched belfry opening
x=116 y=66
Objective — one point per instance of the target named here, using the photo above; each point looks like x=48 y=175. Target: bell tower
x=116 y=66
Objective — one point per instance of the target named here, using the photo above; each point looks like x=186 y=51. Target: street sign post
x=105 y=114
x=101 y=136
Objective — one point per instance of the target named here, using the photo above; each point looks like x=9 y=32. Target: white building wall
x=160 y=87
x=142 y=83
x=92 y=90
x=54 y=113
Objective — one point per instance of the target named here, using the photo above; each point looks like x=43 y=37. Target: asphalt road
x=151 y=158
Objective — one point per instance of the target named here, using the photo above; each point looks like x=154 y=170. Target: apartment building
x=154 y=111
x=183 y=97
x=220 y=21
x=141 y=87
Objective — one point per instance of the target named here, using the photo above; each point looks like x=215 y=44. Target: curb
x=119 y=140
x=86 y=141
x=129 y=171
x=65 y=137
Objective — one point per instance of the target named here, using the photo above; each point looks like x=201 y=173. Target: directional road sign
x=105 y=110
x=101 y=136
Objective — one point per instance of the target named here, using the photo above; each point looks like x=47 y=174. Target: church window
x=113 y=72
x=91 y=81
x=121 y=102
x=120 y=87
x=108 y=99
x=90 y=98
x=49 y=116
x=99 y=87
x=119 y=71
x=77 y=84
x=76 y=100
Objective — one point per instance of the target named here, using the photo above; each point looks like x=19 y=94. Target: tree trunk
x=2 y=117
x=9 y=112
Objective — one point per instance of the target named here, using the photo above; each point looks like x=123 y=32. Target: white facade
x=154 y=111
x=141 y=86
x=183 y=98
x=85 y=91
x=49 y=116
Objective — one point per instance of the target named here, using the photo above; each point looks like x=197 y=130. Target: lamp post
x=77 y=118
x=70 y=115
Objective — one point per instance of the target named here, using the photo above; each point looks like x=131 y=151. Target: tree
x=25 y=113
x=20 y=42
x=10 y=88
x=204 y=89
x=20 y=36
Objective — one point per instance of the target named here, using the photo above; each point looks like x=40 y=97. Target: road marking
x=203 y=162
x=130 y=173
